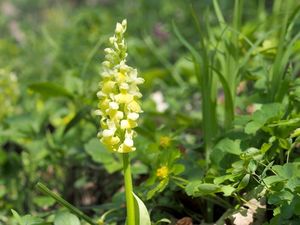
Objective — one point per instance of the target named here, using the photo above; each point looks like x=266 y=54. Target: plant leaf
x=44 y=201
x=66 y=218
x=141 y=213
x=17 y=216
x=244 y=182
x=27 y=219
x=164 y=220
x=48 y=89
x=158 y=188
x=79 y=115
x=197 y=188
x=101 y=155
x=178 y=169
x=227 y=190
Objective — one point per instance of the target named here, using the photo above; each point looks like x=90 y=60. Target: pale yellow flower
x=118 y=96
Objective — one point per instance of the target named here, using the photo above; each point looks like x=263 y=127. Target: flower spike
x=119 y=96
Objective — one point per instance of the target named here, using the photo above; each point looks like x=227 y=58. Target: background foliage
x=219 y=135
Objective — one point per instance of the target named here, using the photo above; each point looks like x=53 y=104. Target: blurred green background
x=50 y=63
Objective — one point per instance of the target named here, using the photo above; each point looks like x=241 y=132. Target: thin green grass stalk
x=229 y=94
x=42 y=188
x=128 y=190
x=232 y=62
x=277 y=6
x=208 y=126
x=228 y=73
x=237 y=18
x=91 y=54
x=262 y=10
x=168 y=66
x=218 y=12
x=207 y=84
x=284 y=50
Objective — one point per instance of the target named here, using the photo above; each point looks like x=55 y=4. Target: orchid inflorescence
x=118 y=98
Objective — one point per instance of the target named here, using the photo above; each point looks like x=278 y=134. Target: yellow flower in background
x=165 y=141
x=119 y=96
x=162 y=172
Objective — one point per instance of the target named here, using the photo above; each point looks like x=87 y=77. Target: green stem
x=91 y=55
x=182 y=180
x=210 y=211
x=128 y=190
x=42 y=188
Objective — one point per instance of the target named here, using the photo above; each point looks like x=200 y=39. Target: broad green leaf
x=241 y=120
x=227 y=190
x=261 y=116
x=268 y=111
x=49 y=89
x=237 y=167
x=66 y=218
x=141 y=213
x=252 y=127
x=229 y=146
x=27 y=219
x=101 y=155
x=270 y=180
x=207 y=188
x=221 y=179
x=192 y=187
x=279 y=196
x=178 y=169
x=288 y=170
x=44 y=201
x=197 y=188
x=224 y=147
x=293 y=184
x=251 y=153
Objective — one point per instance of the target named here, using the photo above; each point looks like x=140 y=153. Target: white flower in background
x=158 y=98
x=118 y=106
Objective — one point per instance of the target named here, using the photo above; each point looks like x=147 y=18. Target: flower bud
x=119 y=28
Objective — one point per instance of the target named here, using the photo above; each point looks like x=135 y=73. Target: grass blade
x=42 y=188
